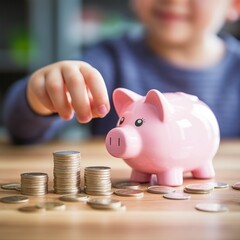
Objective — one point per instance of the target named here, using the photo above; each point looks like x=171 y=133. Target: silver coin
x=94 y=193
x=97 y=180
x=236 y=186
x=126 y=185
x=66 y=172
x=34 y=175
x=129 y=193
x=160 y=189
x=14 y=199
x=219 y=184
x=104 y=203
x=66 y=153
x=80 y=197
x=196 y=192
x=177 y=196
x=211 y=207
x=51 y=205
x=199 y=188
x=30 y=209
x=71 y=191
x=11 y=186
x=97 y=168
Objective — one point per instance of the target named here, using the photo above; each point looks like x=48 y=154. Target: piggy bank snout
x=123 y=143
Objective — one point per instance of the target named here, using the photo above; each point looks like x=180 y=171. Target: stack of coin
x=34 y=183
x=199 y=188
x=66 y=172
x=97 y=180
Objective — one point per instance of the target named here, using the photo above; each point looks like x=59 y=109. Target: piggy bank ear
x=122 y=98
x=157 y=99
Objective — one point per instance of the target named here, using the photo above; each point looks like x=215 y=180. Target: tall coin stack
x=66 y=172
x=97 y=180
x=34 y=183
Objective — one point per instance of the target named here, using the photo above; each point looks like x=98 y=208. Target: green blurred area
x=22 y=46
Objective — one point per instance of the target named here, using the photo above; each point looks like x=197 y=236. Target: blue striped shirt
x=128 y=62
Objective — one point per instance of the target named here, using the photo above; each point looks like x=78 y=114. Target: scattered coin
x=236 y=186
x=66 y=172
x=177 y=196
x=129 y=193
x=97 y=181
x=211 y=207
x=160 y=189
x=199 y=188
x=11 y=186
x=31 y=209
x=127 y=185
x=34 y=183
x=219 y=184
x=14 y=199
x=78 y=197
x=51 y=205
x=104 y=203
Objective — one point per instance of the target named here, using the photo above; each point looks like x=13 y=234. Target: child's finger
x=97 y=87
x=56 y=91
x=77 y=89
x=37 y=92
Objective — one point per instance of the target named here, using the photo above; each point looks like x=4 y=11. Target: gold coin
x=14 y=199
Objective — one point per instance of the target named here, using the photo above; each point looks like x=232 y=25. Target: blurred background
x=34 y=33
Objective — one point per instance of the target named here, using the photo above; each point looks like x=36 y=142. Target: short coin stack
x=97 y=180
x=66 y=172
x=199 y=188
x=34 y=183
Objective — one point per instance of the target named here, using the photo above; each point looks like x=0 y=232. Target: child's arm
x=61 y=88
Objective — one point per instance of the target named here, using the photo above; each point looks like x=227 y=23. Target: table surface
x=150 y=217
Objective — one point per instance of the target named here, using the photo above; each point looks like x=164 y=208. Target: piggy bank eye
x=121 y=120
x=139 y=122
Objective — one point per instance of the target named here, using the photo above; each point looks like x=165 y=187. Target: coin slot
x=119 y=142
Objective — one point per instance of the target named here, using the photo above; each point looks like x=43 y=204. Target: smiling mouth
x=169 y=16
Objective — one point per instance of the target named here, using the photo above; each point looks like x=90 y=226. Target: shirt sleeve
x=23 y=125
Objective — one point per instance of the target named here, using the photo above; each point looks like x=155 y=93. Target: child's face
x=181 y=21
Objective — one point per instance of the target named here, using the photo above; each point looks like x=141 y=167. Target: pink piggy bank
x=164 y=135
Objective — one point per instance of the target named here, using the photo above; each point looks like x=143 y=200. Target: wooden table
x=150 y=217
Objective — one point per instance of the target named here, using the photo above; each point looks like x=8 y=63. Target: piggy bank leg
x=140 y=176
x=172 y=177
x=205 y=171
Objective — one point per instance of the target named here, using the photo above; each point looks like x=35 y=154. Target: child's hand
x=67 y=87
